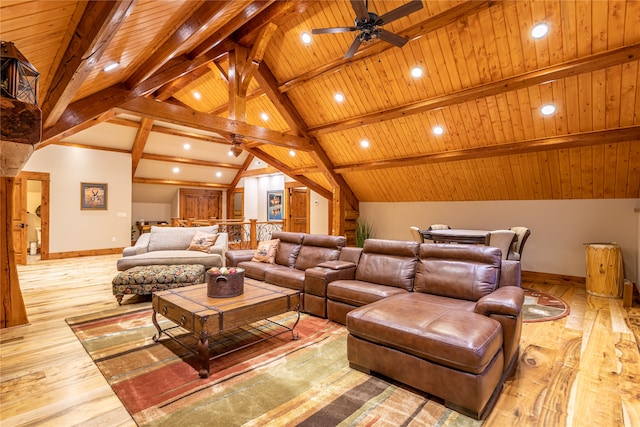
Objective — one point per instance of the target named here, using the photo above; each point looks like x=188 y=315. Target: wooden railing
x=242 y=234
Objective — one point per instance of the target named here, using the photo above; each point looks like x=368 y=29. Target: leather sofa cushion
x=285 y=277
x=317 y=248
x=426 y=328
x=255 y=270
x=388 y=262
x=458 y=271
x=358 y=293
x=288 y=248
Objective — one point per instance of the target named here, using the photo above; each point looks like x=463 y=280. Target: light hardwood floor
x=582 y=370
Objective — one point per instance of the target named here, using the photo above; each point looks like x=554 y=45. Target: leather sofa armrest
x=316 y=279
x=237 y=256
x=510 y=273
x=141 y=246
x=337 y=265
x=506 y=301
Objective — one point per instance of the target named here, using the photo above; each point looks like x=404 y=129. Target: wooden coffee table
x=192 y=310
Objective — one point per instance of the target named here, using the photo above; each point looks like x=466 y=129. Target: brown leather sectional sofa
x=444 y=319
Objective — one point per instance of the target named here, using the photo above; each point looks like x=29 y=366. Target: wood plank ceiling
x=484 y=81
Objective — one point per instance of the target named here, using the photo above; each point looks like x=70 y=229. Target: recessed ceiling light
x=264 y=116
x=540 y=30
x=548 y=109
x=364 y=143
x=416 y=72
x=111 y=67
x=292 y=153
x=218 y=174
x=186 y=146
x=197 y=95
x=258 y=162
x=176 y=170
x=306 y=38
x=338 y=97
x=438 y=130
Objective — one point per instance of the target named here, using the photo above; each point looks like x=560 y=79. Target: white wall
x=70 y=228
x=319 y=214
x=150 y=212
x=559 y=228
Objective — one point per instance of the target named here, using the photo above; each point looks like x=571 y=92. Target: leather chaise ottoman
x=430 y=344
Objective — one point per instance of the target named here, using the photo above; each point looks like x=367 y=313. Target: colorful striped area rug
x=277 y=382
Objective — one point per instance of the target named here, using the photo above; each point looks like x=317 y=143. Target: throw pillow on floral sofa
x=146 y=279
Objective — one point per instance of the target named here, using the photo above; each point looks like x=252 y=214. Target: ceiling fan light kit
x=368 y=24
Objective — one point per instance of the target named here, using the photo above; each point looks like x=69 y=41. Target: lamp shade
x=18 y=78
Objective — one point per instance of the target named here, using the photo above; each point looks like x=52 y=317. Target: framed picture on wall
x=93 y=196
x=274 y=205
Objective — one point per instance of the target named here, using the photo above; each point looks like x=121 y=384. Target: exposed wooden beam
x=245 y=166
x=287 y=171
x=257 y=172
x=257 y=54
x=139 y=142
x=281 y=101
x=86 y=112
x=286 y=108
x=457 y=12
x=207 y=14
x=195 y=162
x=181 y=116
x=238 y=21
x=91 y=147
x=97 y=27
x=277 y=13
x=608 y=136
x=578 y=66
x=180 y=183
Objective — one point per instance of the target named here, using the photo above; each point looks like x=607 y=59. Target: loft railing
x=242 y=234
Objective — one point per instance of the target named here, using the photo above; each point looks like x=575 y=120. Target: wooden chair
x=502 y=239
x=415 y=233
x=516 y=249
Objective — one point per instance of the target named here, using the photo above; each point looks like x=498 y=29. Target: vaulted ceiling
x=217 y=73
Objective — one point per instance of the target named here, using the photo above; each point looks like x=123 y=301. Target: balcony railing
x=242 y=234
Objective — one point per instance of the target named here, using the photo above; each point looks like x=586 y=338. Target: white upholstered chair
x=415 y=233
x=502 y=239
x=516 y=249
x=439 y=227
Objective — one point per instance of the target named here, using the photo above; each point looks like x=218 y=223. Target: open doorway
x=34 y=193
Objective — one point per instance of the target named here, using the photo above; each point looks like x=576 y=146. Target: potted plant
x=363 y=232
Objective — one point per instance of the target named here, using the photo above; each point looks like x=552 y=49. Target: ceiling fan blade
x=333 y=30
x=399 y=12
x=353 y=48
x=389 y=37
x=362 y=14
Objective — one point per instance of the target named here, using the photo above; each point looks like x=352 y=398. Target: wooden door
x=299 y=210
x=200 y=204
x=19 y=220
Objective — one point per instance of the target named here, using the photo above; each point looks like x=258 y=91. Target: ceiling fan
x=368 y=25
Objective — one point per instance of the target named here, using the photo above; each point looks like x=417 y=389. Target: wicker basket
x=225 y=285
